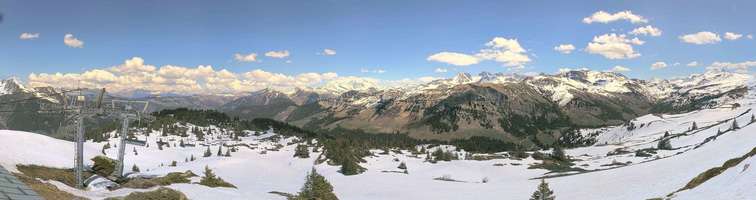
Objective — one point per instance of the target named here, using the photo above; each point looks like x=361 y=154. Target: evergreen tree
x=173 y=163
x=211 y=180
x=220 y=152
x=135 y=168
x=753 y=118
x=402 y=166
x=694 y=126
x=191 y=158
x=207 y=152
x=316 y=187
x=664 y=144
x=228 y=152
x=558 y=154
x=181 y=143
x=350 y=167
x=301 y=151
x=543 y=192
x=106 y=146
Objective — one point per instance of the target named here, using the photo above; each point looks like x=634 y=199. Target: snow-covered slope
x=734 y=183
x=256 y=173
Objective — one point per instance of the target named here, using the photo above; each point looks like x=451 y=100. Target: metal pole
x=79 y=165
x=122 y=147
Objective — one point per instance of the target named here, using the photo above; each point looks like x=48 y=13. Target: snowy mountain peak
x=462 y=78
x=11 y=86
x=345 y=84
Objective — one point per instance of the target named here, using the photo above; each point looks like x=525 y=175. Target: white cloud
x=658 y=65
x=71 y=41
x=251 y=57
x=619 y=69
x=506 y=51
x=328 y=52
x=499 y=49
x=134 y=74
x=703 y=37
x=749 y=36
x=647 y=30
x=28 y=36
x=605 y=17
x=741 y=67
x=457 y=59
x=692 y=64
x=565 y=48
x=375 y=71
x=277 y=54
x=568 y=69
x=440 y=70
x=732 y=36
x=613 y=46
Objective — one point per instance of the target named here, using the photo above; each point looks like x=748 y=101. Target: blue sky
x=396 y=37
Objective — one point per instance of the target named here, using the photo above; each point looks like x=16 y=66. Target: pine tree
x=207 y=152
x=543 y=192
x=191 y=158
x=559 y=154
x=316 y=187
x=181 y=143
x=106 y=146
x=694 y=126
x=160 y=144
x=135 y=169
x=228 y=152
x=753 y=118
x=402 y=166
x=664 y=144
x=211 y=180
x=350 y=167
x=301 y=151
x=173 y=163
x=220 y=152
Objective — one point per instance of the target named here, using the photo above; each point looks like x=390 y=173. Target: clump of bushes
x=103 y=166
x=170 y=178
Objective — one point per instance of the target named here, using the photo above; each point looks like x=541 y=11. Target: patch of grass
x=65 y=176
x=447 y=178
x=711 y=173
x=46 y=190
x=556 y=166
x=170 y=178
x=160 y=194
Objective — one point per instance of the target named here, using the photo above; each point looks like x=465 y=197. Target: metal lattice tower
x=79 y=109
x=126 y=113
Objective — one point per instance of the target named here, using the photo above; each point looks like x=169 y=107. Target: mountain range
x=530 y=109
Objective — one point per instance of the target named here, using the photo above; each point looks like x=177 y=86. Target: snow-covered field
x=256 y=173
